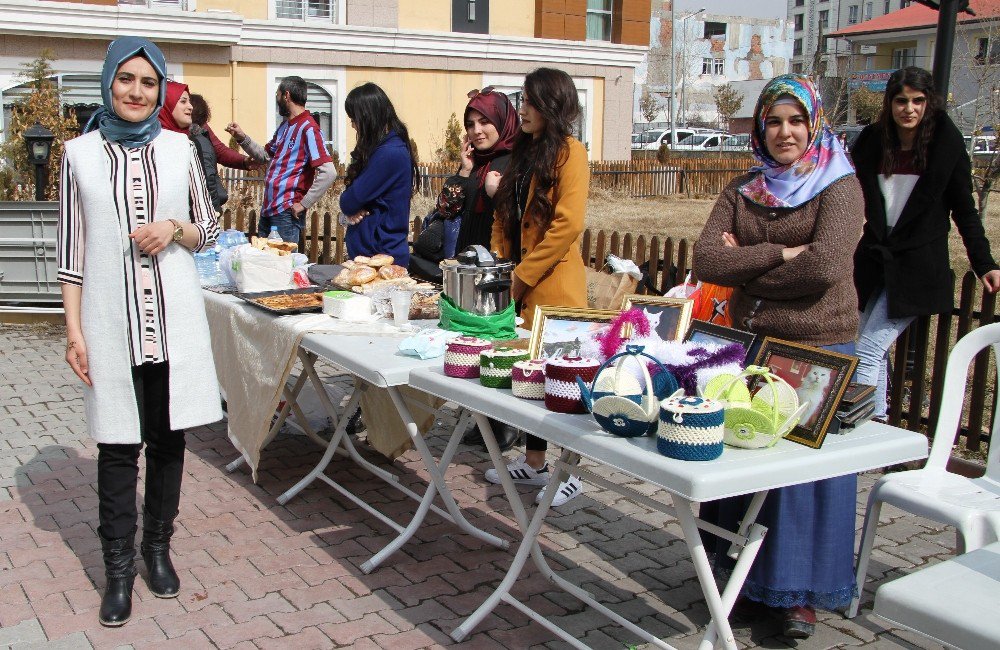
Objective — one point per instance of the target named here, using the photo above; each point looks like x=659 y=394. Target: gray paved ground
x=256 y=574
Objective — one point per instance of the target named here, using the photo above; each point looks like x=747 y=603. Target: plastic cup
x=400 y=299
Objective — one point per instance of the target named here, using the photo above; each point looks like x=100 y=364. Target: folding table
x=375 y=360
x=736 y=472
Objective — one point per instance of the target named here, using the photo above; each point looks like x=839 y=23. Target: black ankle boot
x=119 y=568
x=355 y=425
x=156 y=533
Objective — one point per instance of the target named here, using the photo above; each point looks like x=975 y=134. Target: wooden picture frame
x=820 y=377
x=701 y=331
x=678 y=311
x=551 y=323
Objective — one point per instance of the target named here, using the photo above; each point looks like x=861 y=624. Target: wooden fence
x=917 y=381
x=639 y=178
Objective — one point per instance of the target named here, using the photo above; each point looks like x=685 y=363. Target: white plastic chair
x=970 y=505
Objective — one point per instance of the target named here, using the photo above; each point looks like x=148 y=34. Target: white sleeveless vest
x=112 y=413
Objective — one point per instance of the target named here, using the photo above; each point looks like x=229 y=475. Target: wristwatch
x=178 y=231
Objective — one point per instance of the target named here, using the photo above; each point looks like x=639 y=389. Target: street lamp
x=39 y=142
x=673 y=65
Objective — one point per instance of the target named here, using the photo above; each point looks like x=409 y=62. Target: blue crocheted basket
x=690 y=428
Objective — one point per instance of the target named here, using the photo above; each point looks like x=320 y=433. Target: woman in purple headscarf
x=783 y=236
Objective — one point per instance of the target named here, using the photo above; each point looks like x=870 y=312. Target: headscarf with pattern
x=113 y=127
x=823 y=163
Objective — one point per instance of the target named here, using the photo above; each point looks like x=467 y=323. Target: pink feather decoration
x=612 y=340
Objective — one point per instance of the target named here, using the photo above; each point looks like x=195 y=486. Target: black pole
x=945 y=43
x=40 y=182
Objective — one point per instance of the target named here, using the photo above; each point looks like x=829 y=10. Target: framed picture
x=702 y=331
x=818 y=376
x=567 y=331
x=668 y=317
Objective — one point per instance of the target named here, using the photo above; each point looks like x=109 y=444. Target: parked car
x=701 y=142
x=984 y=145
x=653 y=140
x=739 y=142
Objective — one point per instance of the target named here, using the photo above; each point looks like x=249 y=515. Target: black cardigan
x=912 y=261
x=476 y=227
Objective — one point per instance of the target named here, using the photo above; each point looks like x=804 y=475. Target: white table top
x=737 y=471
x=374 y=358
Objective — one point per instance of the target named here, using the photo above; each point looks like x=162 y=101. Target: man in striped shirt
x=299 y=170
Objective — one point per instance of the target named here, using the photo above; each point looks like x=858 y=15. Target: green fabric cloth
x=495 y=327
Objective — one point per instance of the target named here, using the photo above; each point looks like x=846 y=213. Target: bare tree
x=728 y=101
x=648 y=106
x=979 y=60
x=867 y=104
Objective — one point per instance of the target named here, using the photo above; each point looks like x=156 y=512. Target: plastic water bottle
x=274 y=236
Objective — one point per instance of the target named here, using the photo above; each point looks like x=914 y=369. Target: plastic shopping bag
x=711 y=304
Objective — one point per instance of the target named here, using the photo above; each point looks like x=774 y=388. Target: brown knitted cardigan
x=810 y=299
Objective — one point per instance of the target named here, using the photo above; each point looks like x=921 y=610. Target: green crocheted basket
x=496 y=366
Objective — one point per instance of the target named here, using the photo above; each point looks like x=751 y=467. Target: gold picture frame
x=823 y=389
x=548 y=331
x=679 y=311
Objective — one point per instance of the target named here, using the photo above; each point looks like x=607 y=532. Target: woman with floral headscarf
x=132 y=208
x=783 y=237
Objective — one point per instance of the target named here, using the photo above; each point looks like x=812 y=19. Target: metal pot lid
x=474 y=259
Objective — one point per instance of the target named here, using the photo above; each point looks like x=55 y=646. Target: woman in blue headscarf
x=133 y=206
x=783 y=236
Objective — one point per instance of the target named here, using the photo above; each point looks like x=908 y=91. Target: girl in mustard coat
x=541 y=201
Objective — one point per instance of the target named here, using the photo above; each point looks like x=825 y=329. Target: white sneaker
x=571 y=487
x=522 y=472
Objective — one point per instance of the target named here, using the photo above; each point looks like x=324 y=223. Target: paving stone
x=29 y=631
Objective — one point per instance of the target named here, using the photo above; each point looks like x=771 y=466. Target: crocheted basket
x=562 y=394
x=616 y=398
x=527 y=379
x=690 y=428
x=496 y=365
x=461 y=356
x=761 y=421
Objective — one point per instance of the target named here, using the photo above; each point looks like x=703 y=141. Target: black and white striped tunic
x=134 y=179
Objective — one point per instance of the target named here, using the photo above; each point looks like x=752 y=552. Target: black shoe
x=473 y=436
x=119 y=568
x=506 y=435
x=355 y=425
x=156 y=534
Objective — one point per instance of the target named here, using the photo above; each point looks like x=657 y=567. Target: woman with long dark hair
x=915 y=173
x=782 y=236
x=541 y=204
x=381 y=178
x=132 y=208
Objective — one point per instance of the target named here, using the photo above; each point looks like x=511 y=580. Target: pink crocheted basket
x=562 y=394
x=461 y=356
x=528 y=379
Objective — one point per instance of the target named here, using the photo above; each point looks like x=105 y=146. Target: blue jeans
x=289 y=227
x=876 y=335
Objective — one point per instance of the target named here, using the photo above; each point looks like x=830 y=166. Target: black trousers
x=118 y=465
x=534 y=443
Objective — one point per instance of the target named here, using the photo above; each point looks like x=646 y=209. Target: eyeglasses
x=472 y=94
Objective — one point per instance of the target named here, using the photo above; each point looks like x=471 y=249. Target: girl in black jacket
x=914 y=174
x=198 y=132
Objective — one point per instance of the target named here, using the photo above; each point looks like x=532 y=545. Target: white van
x=652 y=140
x=701 y=142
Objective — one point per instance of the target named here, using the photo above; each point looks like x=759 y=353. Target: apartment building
x=427 y=54
x=814 y=19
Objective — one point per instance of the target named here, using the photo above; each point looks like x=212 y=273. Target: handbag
x=616 y=398
x=761 y=420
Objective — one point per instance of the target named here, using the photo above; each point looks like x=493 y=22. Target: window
x=81 y=93
x=599 y=20
x=797 y=67
x=320 y=104
x=852 y=15
x=713 y=66
x=165 y=4
x=470 y=16
x=714 y=29
x=306 y=9
x=800 y=3
x=706 y=65
x=797 y=47
x=886 y=8
x=903 y=4
x=868 y=10
x=800 y=20
x=904 y=57
x=824 y=19
x=989 y=52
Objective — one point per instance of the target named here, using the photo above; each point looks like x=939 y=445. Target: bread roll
x=380 y=260
x=362 y=259
x=343 y=278
x=392 y=271
x=361 y=275
x=349 y=264
x=287 y=246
